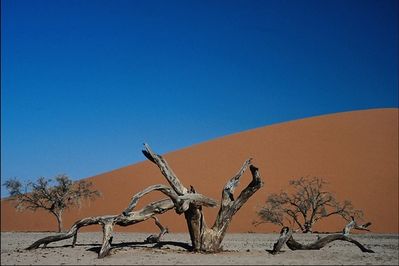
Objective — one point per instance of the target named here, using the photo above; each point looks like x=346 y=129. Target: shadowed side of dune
x=356 y=152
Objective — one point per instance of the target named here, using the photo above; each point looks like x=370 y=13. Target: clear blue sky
x=85 y=82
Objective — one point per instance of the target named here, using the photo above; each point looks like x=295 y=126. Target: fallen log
x=287 y=238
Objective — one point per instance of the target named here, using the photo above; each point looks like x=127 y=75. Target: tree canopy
x=56 y=198
x=307 y=203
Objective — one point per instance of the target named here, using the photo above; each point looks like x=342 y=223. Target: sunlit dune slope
x=356 y=152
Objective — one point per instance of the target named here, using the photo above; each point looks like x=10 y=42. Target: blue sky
x=85 y=82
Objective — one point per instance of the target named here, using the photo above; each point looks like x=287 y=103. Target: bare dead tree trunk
x=285 y=234
x=206 y=239
x=181 y=199
x=286 y=238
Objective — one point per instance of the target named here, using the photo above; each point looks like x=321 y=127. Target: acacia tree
x=54 y=199
x=308 y=203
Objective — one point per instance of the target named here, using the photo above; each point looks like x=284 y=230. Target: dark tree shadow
x=271 y=251
x=69 y=245
x=186 y=246
x=139 y=244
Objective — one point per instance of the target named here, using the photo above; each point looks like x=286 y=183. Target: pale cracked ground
x=243 y=249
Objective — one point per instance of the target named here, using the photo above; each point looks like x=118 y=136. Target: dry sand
x=242 y=249
x=356 y=152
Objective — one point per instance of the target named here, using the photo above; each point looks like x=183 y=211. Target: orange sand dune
x=356 y=152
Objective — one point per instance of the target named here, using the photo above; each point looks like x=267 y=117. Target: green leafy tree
x=308 y=203
x=54 y=199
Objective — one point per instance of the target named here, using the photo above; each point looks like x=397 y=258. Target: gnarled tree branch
x=165 y=170
x=181 y=199
x=206 y=239
x=286 y=238
x=108 y=221
x=157 y=238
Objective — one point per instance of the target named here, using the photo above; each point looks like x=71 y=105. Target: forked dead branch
x=182 y=200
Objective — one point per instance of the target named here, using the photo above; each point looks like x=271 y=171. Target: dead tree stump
x=203 y=238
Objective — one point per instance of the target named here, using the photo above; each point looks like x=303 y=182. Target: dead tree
x=286 y=238
x=203 y=238
x=183 y=200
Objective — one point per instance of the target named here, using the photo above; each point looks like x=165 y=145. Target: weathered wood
x=285 y=234
x=229 y=206
x=287 y=238
x=165 y=170
x=206 y=239
x=157 y=238
x=363 y=226
x=195 y=225
x=353 y=225
x=164 y=189
x=320 y=243
x=228 y=190
x=141 y=215
x=107 y=239
x=69 y=234
x=181 y=199
x=129 y=217
x=75 y=238
x=349 y=226
x=181 y=202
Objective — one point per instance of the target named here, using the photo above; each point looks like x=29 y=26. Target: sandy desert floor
x=243 y=249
